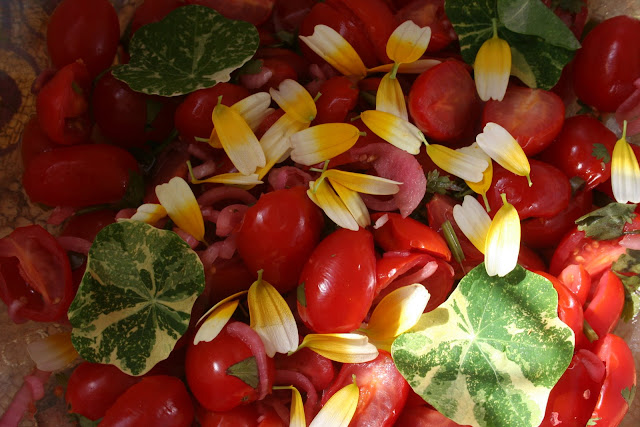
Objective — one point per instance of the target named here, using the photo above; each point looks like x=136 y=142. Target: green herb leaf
x=441 y=184
x=193 y=47
x=600 y=152
x=490 y=355
x=629 y=263
x=245 y=370
x=629 y=394
x=135 y=298
x=607 y=222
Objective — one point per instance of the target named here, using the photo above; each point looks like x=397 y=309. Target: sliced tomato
x=577 y=279
x=604 y=309
x=424 y=416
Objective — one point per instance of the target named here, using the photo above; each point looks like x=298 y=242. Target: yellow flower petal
x=344 y=348
x=397 y=312
x=216 y=318
x=390 y=98
x=339 y=409
x=466 y=166
x=271 y=318
x=334 y=49
x=253 y=109
x=275 y=142
x=233 y=178
x=492 y=68
x=625 y=172
x=322 y=142
x=503 y=241
x=363 y=183
x=52 y=353
x=294 y=99
x=296 y=413
x=498 y=143
x=323 y=195
x=181 y=205
x=238 y=140
x=149 y=213
x=408 y=42
x=394 y=130
x=417 y=67
x=354 y=204
x=484 y=184
x=473 y=220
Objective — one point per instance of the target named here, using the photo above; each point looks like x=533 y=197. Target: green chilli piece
x=193 y=47
x=136 y=296
x=489 y=355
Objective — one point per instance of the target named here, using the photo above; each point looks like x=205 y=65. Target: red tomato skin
x=94 y=387
x=80 y=175
x=84 y=30
x=423 y=416
x=87 y=225
x=604 y=310
x=318 y=369
x=339 y=96
x=429 y=13
x=443 y=101
x=153 y=11
x=158 y=400
x=288 y=14
x=278 y=234
x=34 y=142
x=253 y=11
x=35 y=273
x=608 y=63
x=339 y=281
x=534 y=117
x=572 y=151
x=576 y=278
x=240 y=416
x=383 y=391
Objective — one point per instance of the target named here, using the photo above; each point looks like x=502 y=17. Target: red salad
x=333 y=213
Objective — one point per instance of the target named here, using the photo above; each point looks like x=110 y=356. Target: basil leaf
x=490 y=355
x=135 y=298
x=627 y=268
x=194 y=47
x=607 y=222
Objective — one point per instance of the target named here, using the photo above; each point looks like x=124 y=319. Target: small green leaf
x=136 y=296
x=246 y=370
x=629 y=394
x=607 y=222
x=489 y=355
x=441 y=184
x=600 y=152
x=192 y=48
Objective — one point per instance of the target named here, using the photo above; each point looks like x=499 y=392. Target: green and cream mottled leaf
x=193 y=48
x=490 y=355
x=136 y=296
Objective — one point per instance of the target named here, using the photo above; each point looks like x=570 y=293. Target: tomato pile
x=96 y=150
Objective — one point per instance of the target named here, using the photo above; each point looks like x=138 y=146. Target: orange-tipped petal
x=149 y=213
x=498 y=143
x=503 y=241
x=334 y=49
x=325 y=197
x=625 y=172
x=294 y=99
x=417 y=67
x=492 y=68
x=408 y=42
x=390 y=98
x=463 y=165
x=322 y=142
x=181 y=205
x=354 y=204
x=396 y=131
x=343 y=348
x=473 y=220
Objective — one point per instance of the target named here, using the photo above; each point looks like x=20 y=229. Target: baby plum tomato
x=34 y=142
x=604 y=310
x=83 y=30
x=429 y=13
x=533 y=117
x=240 y=416
x=338 y=97
x=278 y=234
x=338 y=282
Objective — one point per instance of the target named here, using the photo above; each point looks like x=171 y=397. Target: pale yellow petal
x=216 y=319
x=417 y=67
x=181 y=205
x=238 y=140
x=394 y=130
x=498 y=143
x=408 y=42
x=149 y=213
x=323 y=195
x=354 y=204
x=473 y=220
x=463 y=165
x=294 y=99
x=334 y=49
x=322 y=142
x=271 y=318
x=296 y=417
x=275 y=141
x=254 y=108
x=625 y=173
x=482 y=186
x=503 y=241
x=397 y=312
x=344 y=348
x=363 y=183
x=492 y=68
x=52 y=353
x=339 y=409
x=232 y=178
x=390 y=98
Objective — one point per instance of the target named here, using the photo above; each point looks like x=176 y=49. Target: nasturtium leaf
x=489 y=355
x=607 y=222
x=136 y=296
x=194 y=47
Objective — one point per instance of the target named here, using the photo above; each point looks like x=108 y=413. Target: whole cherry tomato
x=278 y=234
x=34 y=142
x=338 y=97
x=429 y=13
x=153 y=11
x=86 y=30
x=253 y=11
x=158 y=400
x=288 y=14
x=338 y=282
x=423 y=416
x=240 y=416
x=80 y=175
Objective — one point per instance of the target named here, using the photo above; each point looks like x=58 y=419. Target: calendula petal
x=363 y=183
x=354 y=204
x=339 y=409
x=492 y=68
x=394 y=130
x=216 y=318
x=408 y=42
x=461 y=164
x=397 y=312
x=253 y=109
x=334 y=49
x=322 y=142
x=294 y=99
x=473 y=220
x=344 y=348
x=149 y=213
x=296 y=414
x=484 y=184
x=498 y=143
x=323 y=195
x=625 y=173
x=181 y=205
x=238 y=140
x=390 y=98
x=503 y=241
x=271 y=318
x=417 y=67
x=275 y=142
x=232 y=178
x=52 y=353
